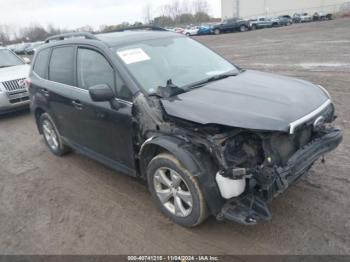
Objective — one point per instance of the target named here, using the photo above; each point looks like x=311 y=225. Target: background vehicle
x=210 y=139
x=263 y=22
x=320 y=16
x=29 y=50
x=191 y=31
x=179 y=30
x=305 y=17
x=231 y=25
x=205 y=30
x=20 y=48
x=13 y=93
x=297 y=18
x=284 y=20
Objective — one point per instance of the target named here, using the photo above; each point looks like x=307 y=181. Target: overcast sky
x=71 y=14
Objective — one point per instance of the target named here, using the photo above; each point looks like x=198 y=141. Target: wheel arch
x=38 y=112
x=198 y=163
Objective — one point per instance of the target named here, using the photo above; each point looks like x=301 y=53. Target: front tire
x=51 y=136
x=217 y=31
x=243 y=28
x=175 y=191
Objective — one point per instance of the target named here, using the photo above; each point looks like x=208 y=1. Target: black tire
x=198 y=211
x=243 y=28
x=61 y=148
x=217 y=31
x=254 y=27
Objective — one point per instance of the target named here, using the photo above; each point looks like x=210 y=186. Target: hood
x=14 y=72
x=251 y=100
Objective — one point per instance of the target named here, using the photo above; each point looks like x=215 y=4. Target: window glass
x=179 y=59
x=61 y=68
x=41 y=63
x=122 y=90
x=7 y=59
x=93 y=69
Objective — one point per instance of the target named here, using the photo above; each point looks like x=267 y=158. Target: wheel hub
x=173 y=192
x=50 y=135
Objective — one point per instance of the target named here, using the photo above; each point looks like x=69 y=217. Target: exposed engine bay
x=262 y=164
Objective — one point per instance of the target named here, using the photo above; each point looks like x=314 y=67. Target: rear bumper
x=252 y=206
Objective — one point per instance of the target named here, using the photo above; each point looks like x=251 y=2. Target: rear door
x=58 y=90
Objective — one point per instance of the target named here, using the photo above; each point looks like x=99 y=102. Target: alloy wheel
x=50 y=135
x=173 y=192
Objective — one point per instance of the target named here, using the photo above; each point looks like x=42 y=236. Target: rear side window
x=41 y=63
x=93 y=69
x=61 y=67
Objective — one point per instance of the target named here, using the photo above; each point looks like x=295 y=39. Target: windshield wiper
x=2 y=66
x=169 y=90
x=211 y=79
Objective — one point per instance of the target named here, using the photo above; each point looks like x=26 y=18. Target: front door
x=104 y=130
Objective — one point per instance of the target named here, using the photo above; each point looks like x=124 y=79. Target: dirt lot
x=73 y=205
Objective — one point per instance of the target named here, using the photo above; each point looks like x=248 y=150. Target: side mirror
x=26 y=60
x=101 y=93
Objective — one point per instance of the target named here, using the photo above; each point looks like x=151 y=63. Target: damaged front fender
x=198 y=164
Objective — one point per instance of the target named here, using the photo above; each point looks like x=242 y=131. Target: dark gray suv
x=210 y=138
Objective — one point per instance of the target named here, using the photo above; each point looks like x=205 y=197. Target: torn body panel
x=269 y=161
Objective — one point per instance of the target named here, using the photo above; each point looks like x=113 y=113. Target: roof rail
x=71 y=35
x=142 y=27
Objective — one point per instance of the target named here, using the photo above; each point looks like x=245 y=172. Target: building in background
x=254 y=8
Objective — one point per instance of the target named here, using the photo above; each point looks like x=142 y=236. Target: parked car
x=209 y=137
x=20 y=48
x=305 y=17
x=263 y=22
x=320 y=16
x=297 y=18
x=179 y=30
x=205 y=30
x=284 y=20
x=13 y=70
x=29 y=50
x=231 y=25
x=191 y=31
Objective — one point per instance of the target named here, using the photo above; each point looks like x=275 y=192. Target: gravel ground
x=73 y=205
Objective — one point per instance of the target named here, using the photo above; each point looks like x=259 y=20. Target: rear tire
x=175 y=191
x=51 y=136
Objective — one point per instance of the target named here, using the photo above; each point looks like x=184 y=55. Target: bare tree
x=200 y=6
x=147 y=13
x=5 y=34
x=186 y=7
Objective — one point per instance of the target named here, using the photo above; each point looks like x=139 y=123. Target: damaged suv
x=209 y=138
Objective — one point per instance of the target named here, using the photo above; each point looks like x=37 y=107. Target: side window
x=122 y=90
x=61 y=67
x=41 y=63
x=93 y=69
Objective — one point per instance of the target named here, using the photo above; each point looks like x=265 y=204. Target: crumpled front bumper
x=252 y=206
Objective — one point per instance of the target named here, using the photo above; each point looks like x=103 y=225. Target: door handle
x=77 y=104
x=45 y=92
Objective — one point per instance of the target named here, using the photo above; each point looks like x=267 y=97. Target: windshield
x=179 y=59
x=7 y=58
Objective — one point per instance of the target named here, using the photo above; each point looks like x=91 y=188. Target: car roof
x=129 y=37
x=112 y=39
